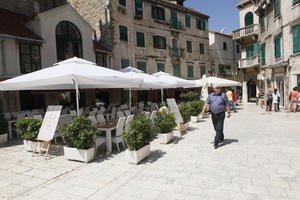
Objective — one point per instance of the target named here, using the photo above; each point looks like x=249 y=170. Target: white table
x=108 y=137
x=10 y=123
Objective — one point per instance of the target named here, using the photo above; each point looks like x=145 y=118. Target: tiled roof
x=98 y=46
x=12 y=24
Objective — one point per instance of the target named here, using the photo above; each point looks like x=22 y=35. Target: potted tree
x=79 y=136
x=165 y=123
x=196 y=109
x=185 y=111
x=3 y=130
x=28 y=131
x=140 y=133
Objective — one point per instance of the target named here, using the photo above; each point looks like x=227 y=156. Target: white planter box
x=194 y=119
x=165 y=138
x=134 y=157
x=29 y=145
x=83 y=155
x=3 y=138
x=186 y=125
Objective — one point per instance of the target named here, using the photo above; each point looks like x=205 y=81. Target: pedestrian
x=218 y=103
x=260 y=99
x=234 y=99
x=269 y=100
x=294 y=95
x=229 y=95
x=276 y=99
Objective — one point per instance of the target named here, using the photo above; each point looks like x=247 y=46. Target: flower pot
x=82 y=155
x=134 y=157
x=3 y=138
x=194 y=119
x=29 y=145
x=164 y=138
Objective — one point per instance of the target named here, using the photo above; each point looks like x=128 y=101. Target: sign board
x=49 y=124
x=174 y=109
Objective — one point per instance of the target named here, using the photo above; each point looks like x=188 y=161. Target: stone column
x=245 y=92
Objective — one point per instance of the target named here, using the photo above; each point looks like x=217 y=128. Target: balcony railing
x=176 y=52
x=177 y=25
x=249 y=62
x=246 y=31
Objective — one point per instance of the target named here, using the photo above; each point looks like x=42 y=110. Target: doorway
x=251 y=91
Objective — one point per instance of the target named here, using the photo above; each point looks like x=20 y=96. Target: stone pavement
x=260 y=160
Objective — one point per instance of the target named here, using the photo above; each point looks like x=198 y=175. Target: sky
x=223 y=13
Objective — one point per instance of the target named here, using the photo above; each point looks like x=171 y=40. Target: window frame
x=189 y=46
x=277 y=41
x=121 y=34
x=187 y=20
x=144 y=39
x=159 y=36
x=144 y=63
x=31 y=55
x=201 y=23
x=263 y=53
x=190 y=71
x=225 y=46
x=161 y=65
x=124 y=5
x=155 y=14
x=202 y=67
x=179 y=68
x=202 y=48
x=296 y=49
x=124 y=59
x=137 y=12
x=277 y=12
x=104 y=60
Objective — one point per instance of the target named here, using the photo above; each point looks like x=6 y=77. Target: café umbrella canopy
x=73 y=73
x=149 y=81
x=180 y=82
x=215 y=81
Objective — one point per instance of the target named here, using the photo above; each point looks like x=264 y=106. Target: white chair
x=128 y=120
x=95 y=109
x=20 y=115
x=40 y=117
x=100 y=118
x=141 y=107
x=102 y=109
x=153 y=114
x=93 y=113
x=120 y=114
x=80 y=111
x=73 y=113
x=125 y=106
x=113 y=113
x=93 y=119
x=127 y=112
x=119 y=133
x=147 y=114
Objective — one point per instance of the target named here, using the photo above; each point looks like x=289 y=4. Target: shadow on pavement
x=228 y=141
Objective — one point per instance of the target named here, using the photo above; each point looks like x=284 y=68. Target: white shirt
x=275 y=97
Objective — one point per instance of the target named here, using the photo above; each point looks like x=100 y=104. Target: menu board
x=49 y=124
x=174 y=109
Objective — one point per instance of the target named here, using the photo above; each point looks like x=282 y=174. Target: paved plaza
x=260 y=160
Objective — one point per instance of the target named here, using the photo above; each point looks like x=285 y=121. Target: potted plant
x=165 y=123
x=196 y=109
x=185 y=111
x=3 y=130
x=80 y=137
x=140 y=133
x=190 y=96
x=28 y=131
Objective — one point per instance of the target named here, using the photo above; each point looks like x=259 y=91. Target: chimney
x=178 y=2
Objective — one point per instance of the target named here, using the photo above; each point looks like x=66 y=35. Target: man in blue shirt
x=218 y=103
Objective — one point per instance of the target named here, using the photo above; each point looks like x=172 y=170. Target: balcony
x=249 y=62
x=246 y=35
x=176 y=53
x=176 y=25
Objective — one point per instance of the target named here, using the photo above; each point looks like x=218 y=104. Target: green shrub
x=79 y=133
x=29 y=128
x=185 y=111
x=196 y=107
x=3 y=125
x=164 y=122
x=190 y=96
x=140 y=133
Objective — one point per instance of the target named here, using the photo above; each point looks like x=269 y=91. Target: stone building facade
x=277 y=29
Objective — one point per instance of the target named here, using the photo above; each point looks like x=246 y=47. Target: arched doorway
x=68 y=41
x=249 y=19
x=251 y=90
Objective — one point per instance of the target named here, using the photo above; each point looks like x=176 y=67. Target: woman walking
x=276 y=99
x=294 y=95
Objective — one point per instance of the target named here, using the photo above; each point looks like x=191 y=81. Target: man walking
x=218 y=103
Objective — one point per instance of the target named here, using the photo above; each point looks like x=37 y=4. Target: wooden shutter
x=250 y=51
x=139 y=10
x=123 y=33
x=263 y=54
x=190 y=71
x=140 y=39
x=174 y=19
x=202 y=50
x=277 y=44
x=176 y=70
x=122 y=2
x=189 y=46
x=160 y=67
x=202 y=71
x=187 y=20
x=296 y=39
x=124 y=63
x=277 y=8
x=142 y=66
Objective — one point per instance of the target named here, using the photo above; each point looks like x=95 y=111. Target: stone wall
x=24 y=7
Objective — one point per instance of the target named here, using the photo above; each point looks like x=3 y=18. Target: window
x=140 y=39
x=30 y=57
x=277 y=9
x=159 y=42
x=263 y=54
x=124 y=63
x=122 y=2
x=237 y=48
x=252 y=50
x=139 y=9
x=190 y=73
x=187 y=20
x=296 y=1
x=202 y=71
x=298 y=82
x=101 y=59
x=123 y=33
x=249 y=19
x=158 y=13
x=202 y=49
x=296 y=39
x=201 y=24
x=68 y=41
x=189 y=47
x=225 y=70
x=262 y=21
x=174 y=20
x=160 y=67
x=277 y=45
x=142 y=66
x=176 y=70
x=224 y=46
